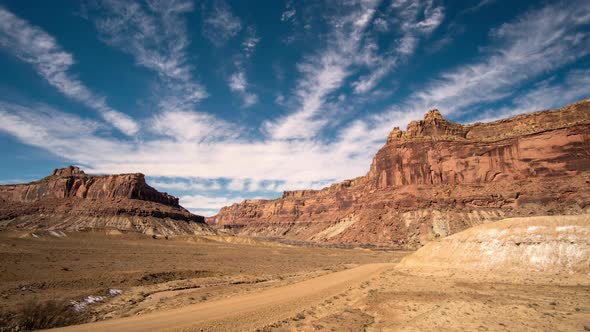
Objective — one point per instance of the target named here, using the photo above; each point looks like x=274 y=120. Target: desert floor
x=42 y=275
x=411 y=300
x=242 y=284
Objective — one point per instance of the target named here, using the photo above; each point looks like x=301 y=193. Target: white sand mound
x=548 y=244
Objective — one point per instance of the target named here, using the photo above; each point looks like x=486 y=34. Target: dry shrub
x=33 y=315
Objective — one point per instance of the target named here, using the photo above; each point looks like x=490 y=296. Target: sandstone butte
x=72 y=200
x=435 y=179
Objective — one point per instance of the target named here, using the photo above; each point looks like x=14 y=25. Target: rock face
x=438 y=178
x=70 y=199
x=542 y=244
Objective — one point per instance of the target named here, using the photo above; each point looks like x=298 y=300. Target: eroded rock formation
x=70 y=199
x=438 y=178
x=544 y=244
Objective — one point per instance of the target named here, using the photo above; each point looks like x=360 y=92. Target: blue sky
x=217 y=101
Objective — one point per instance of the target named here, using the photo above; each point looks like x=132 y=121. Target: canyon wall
x=438 y=178
x=70 y=199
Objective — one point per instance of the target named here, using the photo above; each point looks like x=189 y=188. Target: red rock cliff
x=71 y=199
x=73 y=182
x=438 y=178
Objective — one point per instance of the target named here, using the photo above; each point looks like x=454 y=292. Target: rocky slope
x=543 y=244
x=438 y=178
x=70 y=199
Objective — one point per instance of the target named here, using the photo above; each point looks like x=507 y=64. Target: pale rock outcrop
x=540 y=244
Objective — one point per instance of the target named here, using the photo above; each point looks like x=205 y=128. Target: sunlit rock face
x=438 y=178
x=534 y=244
x=70 y=199
x=73 y=182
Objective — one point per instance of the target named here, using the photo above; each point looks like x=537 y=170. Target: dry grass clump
x=33 y=315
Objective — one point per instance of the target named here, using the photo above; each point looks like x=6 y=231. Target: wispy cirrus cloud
x=33 y=45
x=351 y=50
x=193 y=184
x=535 y=43
x=195 y=127
x=156 y=35
x=478 y=6
x=42 y=126
x=413 y=20
x=250 y=42
x=546 y=94
x=289 y=12
x=238 y=81
x=325 y=72
x=220 y=24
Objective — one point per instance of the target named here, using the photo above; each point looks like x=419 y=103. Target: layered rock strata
x=70 y=199
x=541 y=244
x=438 y=178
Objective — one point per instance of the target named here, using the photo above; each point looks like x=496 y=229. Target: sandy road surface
x=245 y=312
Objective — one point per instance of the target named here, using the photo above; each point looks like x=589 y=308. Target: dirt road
x=245 y=312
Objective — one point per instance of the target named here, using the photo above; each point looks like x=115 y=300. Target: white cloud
x=368 y=82
x=433 y=17
x=237 y=185
x=280 y=100
x=60 y=133
x=351 y=50
x=415 y=20
x=156 y=36
x=250 y=99
x=324 y=73
x=237 y=81
x=221 y=24
x=250 y=42
x=186 y=184
x=120 y=120
x=547 y=94
x=479 y=6
x=535 y=43
x=381 y=24
x=76 y=139
x=196 y=127
x=206 y=205
x=289 y=12
x=33 y=45
x=173 y=185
